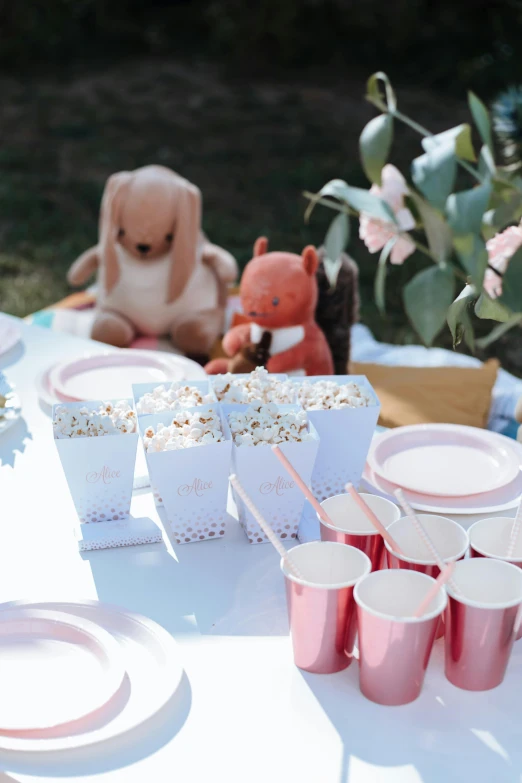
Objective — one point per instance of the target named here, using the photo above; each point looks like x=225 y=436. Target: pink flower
x=376 y=233
x=500 y=249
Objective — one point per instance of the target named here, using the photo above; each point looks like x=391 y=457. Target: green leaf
x=374 y=144
x=465 y=210
x=374 y=95
x=486 y=166
x=459 y=318
x=481 y=117
x=359 y=199
x=512 y=283
x=471 y=250
x=427 y=297
x=499 y=330
x=458 y=138
x=437 y=231
x=508 y=210
x=380 y=276
x=492 y=309
x=434 y=173
x=335 y=241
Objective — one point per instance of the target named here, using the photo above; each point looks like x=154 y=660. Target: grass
x=252 y=148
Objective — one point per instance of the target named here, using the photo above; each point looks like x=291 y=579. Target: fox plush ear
x=260 y=246
x=109 y=225
x=310 y=260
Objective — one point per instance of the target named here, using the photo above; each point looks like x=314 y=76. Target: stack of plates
x=446 y=468
x=110 y=375
x=72 y=674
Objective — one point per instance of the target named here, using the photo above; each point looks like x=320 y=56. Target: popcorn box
x=345 y=437
x=192 y=482
x=264 y=478
x=145 y=419
x=100 y=474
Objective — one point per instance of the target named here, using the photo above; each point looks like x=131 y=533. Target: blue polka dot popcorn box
x=97 y=443
x=345 y=434
x=266 y=481
x=191 y=481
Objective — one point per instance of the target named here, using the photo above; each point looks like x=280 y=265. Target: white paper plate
x=12 y=410
x=54 y=668
x=110 y=375
x=443 y=459
x=10 y=334
x=153 y=673
x=501 y=499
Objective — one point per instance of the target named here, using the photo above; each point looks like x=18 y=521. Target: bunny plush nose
x=143 y=248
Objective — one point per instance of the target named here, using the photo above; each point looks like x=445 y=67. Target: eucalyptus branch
x=421 y=130
x=349 y=211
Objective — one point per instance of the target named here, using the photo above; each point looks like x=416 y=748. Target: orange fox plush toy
x=279 y=296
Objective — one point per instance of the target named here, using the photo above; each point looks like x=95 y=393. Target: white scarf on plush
x=282 y=339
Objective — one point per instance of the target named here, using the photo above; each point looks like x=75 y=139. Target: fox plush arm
x=236 y=338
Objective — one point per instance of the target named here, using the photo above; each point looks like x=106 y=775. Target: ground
x=252 y=148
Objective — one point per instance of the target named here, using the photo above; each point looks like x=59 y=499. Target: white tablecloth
x=244 y=713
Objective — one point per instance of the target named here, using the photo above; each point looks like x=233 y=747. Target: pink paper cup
x=450 y=539
x=395 y=646
x=481 y=622
x=490 y=538
x=321 y=609
x=352 y=526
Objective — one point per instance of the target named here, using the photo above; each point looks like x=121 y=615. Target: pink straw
x=265 y=527
x=373 y=518
x=442 y=578
x=302 y=486
x=412 y=516
x=515 y=531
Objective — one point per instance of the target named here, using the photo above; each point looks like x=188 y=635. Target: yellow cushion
x=419 y=395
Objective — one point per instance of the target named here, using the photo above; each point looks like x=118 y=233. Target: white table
x=244 y=713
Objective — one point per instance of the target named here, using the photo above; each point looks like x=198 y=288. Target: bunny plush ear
x=260 y=246
x=109 y=225
x=310 y=260
x=187 y=234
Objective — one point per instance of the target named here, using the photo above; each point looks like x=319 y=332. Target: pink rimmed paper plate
x=502 y=499
x=153 y=674
x=111 y=374
x=445 y=460
x=54 y=668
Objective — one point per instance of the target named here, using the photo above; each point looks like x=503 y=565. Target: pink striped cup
x=321 y=608
x=481 y=622
x=395 y=646
x=352 y=526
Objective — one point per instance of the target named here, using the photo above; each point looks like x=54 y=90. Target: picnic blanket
x=490 y=396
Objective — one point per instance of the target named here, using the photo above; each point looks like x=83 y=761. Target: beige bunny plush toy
x=157 y=272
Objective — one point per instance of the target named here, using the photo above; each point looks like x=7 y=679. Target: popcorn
x=108 y=419
x=258 y=386
x=186 y=431
x=265 y=425
x=328 y=395
x=173 y=397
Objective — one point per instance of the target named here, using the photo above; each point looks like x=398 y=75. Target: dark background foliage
x=447 y=44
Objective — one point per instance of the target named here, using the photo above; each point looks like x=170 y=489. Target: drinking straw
x=515 y=530
x=399 y=494
x=302 y=486
x=265 y=527
x=373 y=518
x=442 y=578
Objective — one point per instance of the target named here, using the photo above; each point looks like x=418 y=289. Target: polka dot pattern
x=200 y=525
